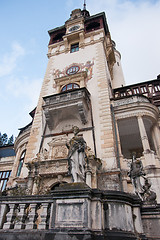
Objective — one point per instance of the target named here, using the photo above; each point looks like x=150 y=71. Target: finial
x=84 y=5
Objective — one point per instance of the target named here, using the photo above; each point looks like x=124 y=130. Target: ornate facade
x=88 y=165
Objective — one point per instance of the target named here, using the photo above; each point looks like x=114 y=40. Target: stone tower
x=76 y=91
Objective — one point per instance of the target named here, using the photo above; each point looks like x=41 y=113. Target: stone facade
x=67 y=184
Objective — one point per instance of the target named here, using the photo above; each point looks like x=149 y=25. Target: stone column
x=118 y=139
x=124 y=167
x=143 y=134
x=19 y=223
x=31 y=216
x=42 y=224
x=9 y=216
x=156 y=138
x=148 y=153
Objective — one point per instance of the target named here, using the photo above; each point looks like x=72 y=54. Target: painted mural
x=74 y=68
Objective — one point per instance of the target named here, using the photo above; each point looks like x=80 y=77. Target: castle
x=88 y=165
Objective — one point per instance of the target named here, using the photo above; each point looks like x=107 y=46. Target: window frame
x=67 y=88
x=74 y=47
x=20 y=165
x=4 y=177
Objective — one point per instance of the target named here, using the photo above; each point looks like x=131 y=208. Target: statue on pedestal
x=137 y=174
x=76 y=156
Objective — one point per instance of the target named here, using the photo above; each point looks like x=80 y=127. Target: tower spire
x=84 y=5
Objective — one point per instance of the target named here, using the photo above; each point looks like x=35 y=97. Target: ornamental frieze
x=75 y=68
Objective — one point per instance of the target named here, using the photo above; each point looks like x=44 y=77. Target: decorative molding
x=132 y=99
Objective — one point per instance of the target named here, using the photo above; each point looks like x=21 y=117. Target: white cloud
x=134 y=25
x=27 y=89
x=9 y=61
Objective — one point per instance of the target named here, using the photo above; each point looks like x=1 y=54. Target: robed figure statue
x=76 y=156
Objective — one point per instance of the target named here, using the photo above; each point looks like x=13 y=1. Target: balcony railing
x=150 y=89
x=76 y=101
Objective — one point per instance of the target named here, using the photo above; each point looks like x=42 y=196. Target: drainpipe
x=93 y=133
x=42 y=138
x=117 y=149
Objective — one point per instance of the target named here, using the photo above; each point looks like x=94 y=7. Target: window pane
x=74 y=47
x=7 y=174
x=75 y=86
x=4 y=185
x=4 y=174
x=69 y=86
x=23 y=154
x=4 y=178
x=20 y=168
x=64 y=89
x=1 y=183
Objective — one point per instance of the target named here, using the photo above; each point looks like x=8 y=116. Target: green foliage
x=4 y=141
x=10 y=140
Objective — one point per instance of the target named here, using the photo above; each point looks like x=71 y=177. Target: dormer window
x=74 y=47
x=69 y=87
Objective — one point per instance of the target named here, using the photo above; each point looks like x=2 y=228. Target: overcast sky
x=134 y=26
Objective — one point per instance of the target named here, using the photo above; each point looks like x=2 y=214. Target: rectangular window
x=4 y=176
x=74 y=47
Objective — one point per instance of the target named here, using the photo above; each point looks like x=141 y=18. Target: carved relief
x=58 y=149
x=59 y=152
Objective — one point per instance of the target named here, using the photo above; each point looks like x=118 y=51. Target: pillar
x=31 y=216
x=42 y=224
x=143 y=134
x=148 y=153
x=156 y=138
x=9 y=217
x=19 y=224
x=124 y=167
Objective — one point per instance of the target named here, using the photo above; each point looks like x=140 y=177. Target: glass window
x=20 y=164
x=74 y=47
x=70 y=86
x=4 y=176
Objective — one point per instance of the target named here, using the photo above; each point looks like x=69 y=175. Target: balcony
x=66 y=105
x=149 y=89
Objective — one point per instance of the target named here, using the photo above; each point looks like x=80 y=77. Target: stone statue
x=76 y=156
x=149 y=197
x=135 y=173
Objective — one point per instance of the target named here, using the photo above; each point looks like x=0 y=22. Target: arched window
x=69 y=87
x=21 y=161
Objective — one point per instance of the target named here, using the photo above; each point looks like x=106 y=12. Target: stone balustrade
x=72 y=207
x=149 y=89
x=25 y=213
x=75 y=101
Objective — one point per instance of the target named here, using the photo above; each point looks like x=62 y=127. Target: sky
x=134 y=26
